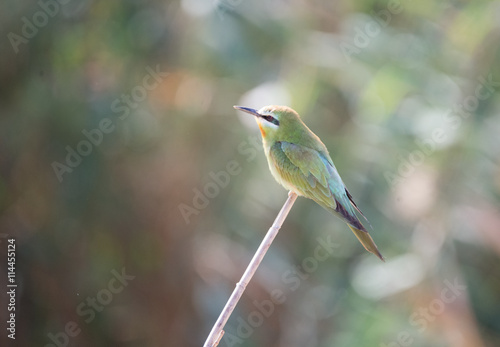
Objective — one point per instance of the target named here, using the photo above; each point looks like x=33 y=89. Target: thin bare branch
x=217 y=331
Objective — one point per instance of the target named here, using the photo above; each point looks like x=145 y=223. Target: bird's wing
x=316 y=174
x=313 y=175
x=303 y=168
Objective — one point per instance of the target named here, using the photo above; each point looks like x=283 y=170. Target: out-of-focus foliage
x=120 y=152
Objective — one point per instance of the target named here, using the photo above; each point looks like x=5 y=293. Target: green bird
x=300 y=162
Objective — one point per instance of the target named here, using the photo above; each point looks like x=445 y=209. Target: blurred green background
x=137 y=195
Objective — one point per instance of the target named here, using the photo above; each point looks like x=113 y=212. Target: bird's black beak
x=248 y=110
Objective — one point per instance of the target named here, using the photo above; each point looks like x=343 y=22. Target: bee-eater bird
x=300 y=162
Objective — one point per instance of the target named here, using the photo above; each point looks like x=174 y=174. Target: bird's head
x=274 y=121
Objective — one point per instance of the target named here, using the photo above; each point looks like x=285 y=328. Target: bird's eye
x=271 y=119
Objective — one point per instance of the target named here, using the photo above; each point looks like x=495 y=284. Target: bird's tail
x=367 y=241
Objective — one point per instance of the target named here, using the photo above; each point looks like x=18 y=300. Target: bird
x=300 y=162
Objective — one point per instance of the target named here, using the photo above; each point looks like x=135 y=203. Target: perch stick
x=217 y=331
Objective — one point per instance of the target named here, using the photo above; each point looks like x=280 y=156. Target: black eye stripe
x=271 y=119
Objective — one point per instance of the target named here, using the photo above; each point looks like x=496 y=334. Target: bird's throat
x=262 y=130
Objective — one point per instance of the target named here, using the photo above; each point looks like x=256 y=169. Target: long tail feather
x=357 y=208
x=367 y=241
